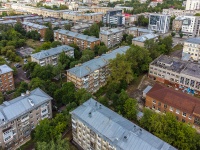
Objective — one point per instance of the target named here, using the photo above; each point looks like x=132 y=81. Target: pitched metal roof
x=145 y=37
x=19 y=106
x=111 y=31
x=37 y=26
x=96 y=63
x=140 y=29
x=52 y=51
x=5 y=69
x=195 y=40
x=118 y=131
x=77 y=35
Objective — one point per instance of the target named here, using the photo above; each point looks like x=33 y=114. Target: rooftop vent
x=31 y=102
x=22 y=94
x=99 y=106
x=125 y=137
x=27 y=92
x=90 y=114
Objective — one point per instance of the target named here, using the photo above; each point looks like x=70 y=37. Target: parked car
x=17 y=65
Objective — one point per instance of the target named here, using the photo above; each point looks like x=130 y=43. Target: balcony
x=96 y=76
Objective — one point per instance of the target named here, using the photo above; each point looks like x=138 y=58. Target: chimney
x=99 y=106
x=27 y=92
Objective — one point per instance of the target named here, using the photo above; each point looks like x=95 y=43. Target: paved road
x=21 y=76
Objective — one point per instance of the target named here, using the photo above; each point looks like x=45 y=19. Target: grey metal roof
x=145 y=37
x=111 y=31
x=195 y=40
x=118 y=131
x=140 y=29
x=52 y=51
x=37 y=26
x=147 y=89
x=8 y=21
x=5 y=69
x=17 y=16
x=96 y=63
x=77 y=35
x=13 y=109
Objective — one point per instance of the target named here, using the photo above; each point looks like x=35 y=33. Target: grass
x=133 y=86
x=33 y=44
x=177 y=47
x=28 y=145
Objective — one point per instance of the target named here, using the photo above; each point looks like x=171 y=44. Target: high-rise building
x=159 y=22
x=97 y=127
x=114 y=17
x=192 y=5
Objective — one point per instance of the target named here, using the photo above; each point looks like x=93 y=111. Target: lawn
x=33 y=44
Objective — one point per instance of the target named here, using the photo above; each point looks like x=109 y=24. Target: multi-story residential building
x=32 y=19
x=21 y=115
x=114 y=17
x=97 y=127
x=192 y=47
x=190 y=25
x=80 y=28
x=61 y=24
x=185 y=107
x=6 y=78
x=93 y=74
x=83 y=41
x=111 y=37
x=179 y=12
x=138 y=31
x=96 y=17
x=177 y=23
x=95 y=9
x=159 y=22
x=17 y=18
x=192 y=5
x=175 y=72
x=29 y=26
x=140 y=40
x=50 y=56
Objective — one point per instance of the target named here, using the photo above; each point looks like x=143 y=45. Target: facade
x=93 y=74
x=28 y=26
x=73 y=15
x=111 y=37
x=6 y=79
x=178 y=12
x=185 y=107
x=50 y=56
x=138 y=31
x=172 y=71
x=21 y=115
x=140 y=40
x=192 y=5
x=68 y=37
x=114 y=17
x=177 y=23
x=96 y=127
x=159 y=23
x=190 y=26
x=192 y=47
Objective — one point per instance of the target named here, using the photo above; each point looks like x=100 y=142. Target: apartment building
x=140 y=40
x=111 y=36
x=192 y=47
x=159 y=22
x=6 y=78
x=61 y=24
x=29 y=26
x=192 y=5
x=80 y=28
x=177 y=23
x=114 y=17
x=95 y=9
x=97 y=127
x=17 y=17
x=185 y=107
x=18 y=117
x=138 y=31
x=190 y=25
x=8 y=22
x=93 y=74
x=51 y=56
x=179 y=12
x=77 y=15
x=83 y=41
x=172 y=71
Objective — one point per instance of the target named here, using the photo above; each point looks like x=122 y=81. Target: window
x=190 y=117
x=154 y=101
x=159 y=103
x=153 y=107
x=171 y=108
x=158 y=109
x=177 y=111
x=177 y=117
x=165 y=106
x=183 y=120
x=184 y=114
x=197 y=121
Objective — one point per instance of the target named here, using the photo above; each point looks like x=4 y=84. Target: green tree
x=130 y=108
x=173 y=34
x=21 y=89
x=67 y=27
x=19 y=28
x=181 y=34
x=59 y=144
x=82 y=95
x=121 y=69
x=55 y=44
x=1 y=98
x=49 y=36
x=37 y=82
